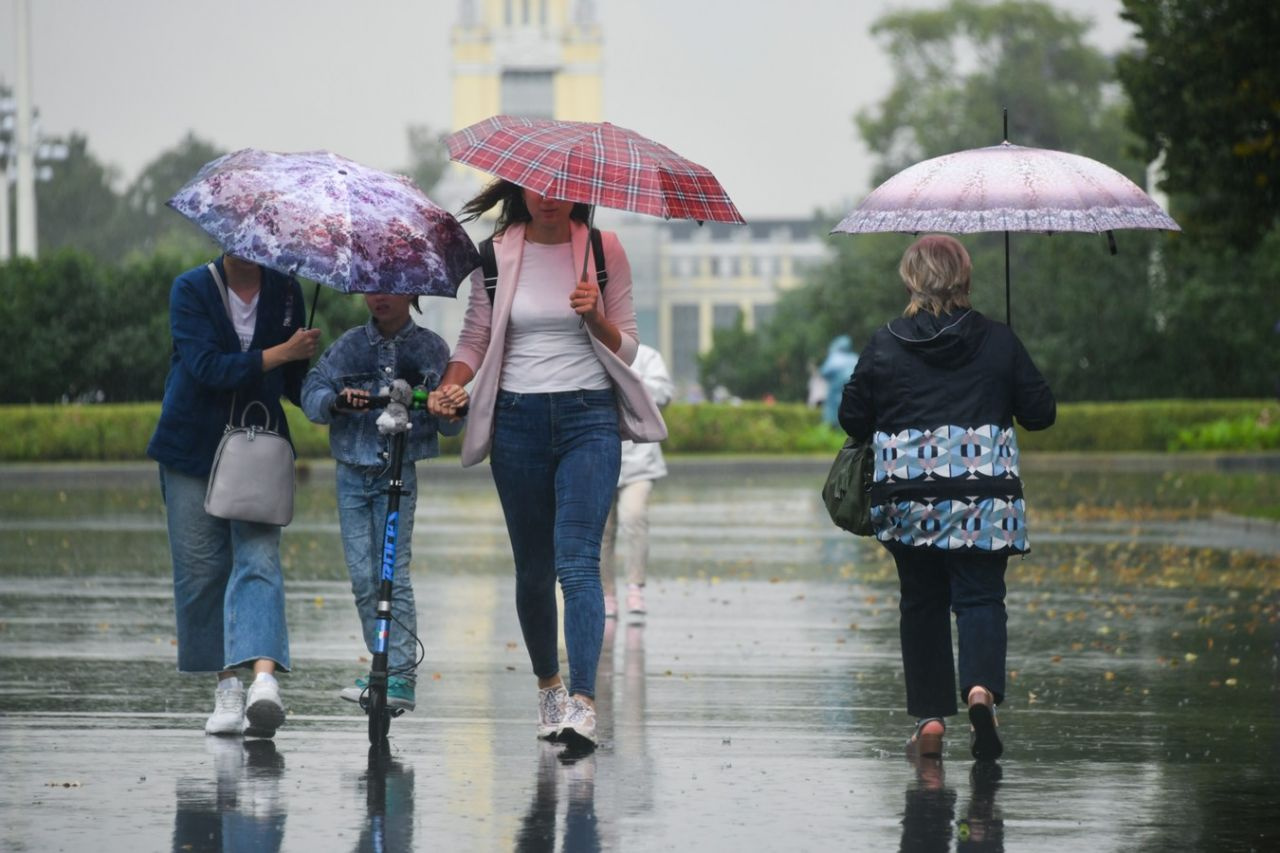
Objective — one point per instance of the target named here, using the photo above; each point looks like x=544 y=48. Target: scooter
x=374 y=698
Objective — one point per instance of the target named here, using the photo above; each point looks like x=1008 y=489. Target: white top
x=547 y=348
x=644 y=461
x=244 y=316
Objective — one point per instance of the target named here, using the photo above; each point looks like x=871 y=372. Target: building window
x=530 y=94
x=684 y=343
x=763 y=313
x=725 y=316
x=506 y=12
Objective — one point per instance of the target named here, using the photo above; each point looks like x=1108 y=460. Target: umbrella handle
x=315 y=300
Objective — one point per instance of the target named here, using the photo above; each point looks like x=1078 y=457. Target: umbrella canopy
x=1006 y=187
x=596 y=163
x=321 y=216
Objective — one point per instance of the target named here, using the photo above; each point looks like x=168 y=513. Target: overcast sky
x=762 y=93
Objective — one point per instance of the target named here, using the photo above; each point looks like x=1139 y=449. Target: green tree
x=956 y=67
x=78 y=206
x=153 y=226
x=1091 y=320
x=1205 y=89
x=428 y=157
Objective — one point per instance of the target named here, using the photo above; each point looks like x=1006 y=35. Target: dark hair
x=513 y=210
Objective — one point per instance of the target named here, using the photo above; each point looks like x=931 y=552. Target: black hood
x=945 y=340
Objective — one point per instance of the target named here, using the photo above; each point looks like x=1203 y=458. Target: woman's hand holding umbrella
x=303 y=346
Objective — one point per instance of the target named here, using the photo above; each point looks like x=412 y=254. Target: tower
x=536 y=58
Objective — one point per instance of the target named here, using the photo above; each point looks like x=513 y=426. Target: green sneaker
x=399 y=692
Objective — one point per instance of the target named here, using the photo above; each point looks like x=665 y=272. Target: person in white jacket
x=629 y=518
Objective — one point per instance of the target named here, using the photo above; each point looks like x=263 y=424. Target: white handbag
x=252 y=476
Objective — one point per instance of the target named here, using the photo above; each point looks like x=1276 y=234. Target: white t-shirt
x=244 y=316
x=547 y=348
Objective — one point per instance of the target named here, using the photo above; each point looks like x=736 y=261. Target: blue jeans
x=362 y=514
x=934 y=583
x=228 y=588
x=555 y=460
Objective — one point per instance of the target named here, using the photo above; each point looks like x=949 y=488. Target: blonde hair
x=936 y=270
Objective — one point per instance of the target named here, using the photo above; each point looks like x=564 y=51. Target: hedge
x=119 y=432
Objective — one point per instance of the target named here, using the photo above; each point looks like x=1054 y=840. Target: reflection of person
x=929 y=812
x=835 y=371
x=547 y=354
x=336 y=392
x=537 y=831
x=629 y=518
x=242 y=809
x=982 y=829
x=237 y=339
x=937 y=392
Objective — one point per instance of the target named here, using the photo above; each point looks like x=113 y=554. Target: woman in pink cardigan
x=553 y=397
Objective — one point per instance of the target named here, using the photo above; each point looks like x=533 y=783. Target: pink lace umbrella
x=1007 y=188
x=329 y=219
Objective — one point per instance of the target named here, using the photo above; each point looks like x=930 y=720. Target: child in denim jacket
x=361 y=363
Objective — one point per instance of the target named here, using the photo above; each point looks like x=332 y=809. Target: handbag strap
x=222 y=287
x=226 y=305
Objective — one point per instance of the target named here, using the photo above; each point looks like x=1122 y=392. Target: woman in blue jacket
x=237 y=339
x=937 y=391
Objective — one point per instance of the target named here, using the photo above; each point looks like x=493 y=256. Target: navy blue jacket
x=207 y=368
x=938 y=397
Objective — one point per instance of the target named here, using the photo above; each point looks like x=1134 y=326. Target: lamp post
x=25 y=149
x=7 y=108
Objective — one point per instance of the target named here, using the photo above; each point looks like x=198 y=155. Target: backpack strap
x=489 y=263
x=597 y=248
x=488 y=266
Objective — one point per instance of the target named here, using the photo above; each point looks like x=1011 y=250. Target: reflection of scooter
x=388 y=802
x=394 y=421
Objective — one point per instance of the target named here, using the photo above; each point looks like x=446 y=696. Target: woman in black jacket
x=937 y=391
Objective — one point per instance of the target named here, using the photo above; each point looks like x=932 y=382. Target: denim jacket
x=365 y=360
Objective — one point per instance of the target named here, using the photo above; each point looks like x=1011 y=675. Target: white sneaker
x=264 y=712
x=579 y=726
x=228 y=709
x=551 y=708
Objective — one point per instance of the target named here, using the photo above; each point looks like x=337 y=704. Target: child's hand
x=447 y=400
x=351 y=400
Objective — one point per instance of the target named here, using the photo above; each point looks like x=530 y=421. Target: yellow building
x=535 y=58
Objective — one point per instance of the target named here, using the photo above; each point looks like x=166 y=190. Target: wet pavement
x=758 y=707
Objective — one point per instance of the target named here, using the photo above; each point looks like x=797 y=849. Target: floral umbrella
x=1007 y=188
x=323 y=217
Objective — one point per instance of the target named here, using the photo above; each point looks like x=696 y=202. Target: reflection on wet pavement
x=757 y=708
x=240 y=808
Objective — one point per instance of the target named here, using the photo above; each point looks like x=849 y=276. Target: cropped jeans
x=228 y=587
x=934 y=583
x=362 y=515
x=555 y=460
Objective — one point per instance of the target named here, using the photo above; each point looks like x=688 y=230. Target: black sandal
x=926 y=745
x=984 y=731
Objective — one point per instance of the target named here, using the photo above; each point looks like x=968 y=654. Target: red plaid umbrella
x=595 y=163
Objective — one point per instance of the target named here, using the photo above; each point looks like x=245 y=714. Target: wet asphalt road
x=758 y=707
